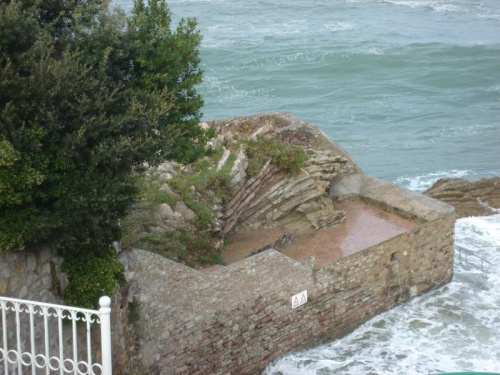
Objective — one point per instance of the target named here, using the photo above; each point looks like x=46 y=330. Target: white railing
x=464 y=253
x=42 y=338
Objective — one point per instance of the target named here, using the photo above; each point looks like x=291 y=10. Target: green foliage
x=200 y=208
x=181 y=245
x=200 y=187
x=88 y=97
x=150 y=190
x=91 y=276
x=170 y=59
x=134 y=311
x=289 y=159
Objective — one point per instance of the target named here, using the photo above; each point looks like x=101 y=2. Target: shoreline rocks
x=470 y=198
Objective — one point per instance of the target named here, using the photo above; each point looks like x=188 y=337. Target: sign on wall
x=299 y=299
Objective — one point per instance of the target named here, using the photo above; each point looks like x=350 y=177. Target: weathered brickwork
x=237 y=319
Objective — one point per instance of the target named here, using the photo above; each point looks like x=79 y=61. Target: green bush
x=193 y=249
x=288 y=159
x=88 y=97
x=91 y=276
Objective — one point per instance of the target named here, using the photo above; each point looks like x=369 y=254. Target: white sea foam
x=375 y=51
x=228 y=95
x=495 y=88
x=425 y=181
x=338 y=26
x=468 y=130
x=437 y=6
x=491 y=16
x=453 y=328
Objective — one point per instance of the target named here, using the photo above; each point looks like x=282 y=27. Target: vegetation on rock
x=88 y=97
x=288 y=159
x=204 y=187
x=201 y=187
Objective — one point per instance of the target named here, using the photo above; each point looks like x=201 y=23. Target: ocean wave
x=338 y=26
x=221 y=92
x=425 y=181
x=453 y=328
x=436 y=6
x=491 y=16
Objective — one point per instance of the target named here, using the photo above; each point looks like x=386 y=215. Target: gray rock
x=165 y=211
x=238 y=172
x=168 y=167
x=470 y=198
x=185 y=211
x=223 y=159
x=167 y=189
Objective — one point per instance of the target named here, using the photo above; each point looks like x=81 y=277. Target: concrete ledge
x=391 y=196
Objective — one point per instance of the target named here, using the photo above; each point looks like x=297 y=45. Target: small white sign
x=299 y=299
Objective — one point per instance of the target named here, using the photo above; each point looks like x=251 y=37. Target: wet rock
x=286 y=239
x=470 y=198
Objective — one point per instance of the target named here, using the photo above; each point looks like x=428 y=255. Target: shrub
x=88 y=97
x=289 y=159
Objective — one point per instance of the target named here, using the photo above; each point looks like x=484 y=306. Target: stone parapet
x=238 y=318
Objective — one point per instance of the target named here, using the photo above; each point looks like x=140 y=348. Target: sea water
x=411 y=88
x=453 y=328
x=408 y=87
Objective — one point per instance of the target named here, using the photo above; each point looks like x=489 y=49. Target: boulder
x=169 y=218
x=185 y=211
x=274 y=199
x=167 y=189
x=165 y=211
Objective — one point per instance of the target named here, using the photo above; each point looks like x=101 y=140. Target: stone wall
x=236 y=319
x=35 y=274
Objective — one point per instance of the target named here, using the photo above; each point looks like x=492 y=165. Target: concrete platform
x=365 y=226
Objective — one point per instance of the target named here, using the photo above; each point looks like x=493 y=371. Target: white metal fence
x=43 y=338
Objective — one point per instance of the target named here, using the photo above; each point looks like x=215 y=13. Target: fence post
x=105 y=312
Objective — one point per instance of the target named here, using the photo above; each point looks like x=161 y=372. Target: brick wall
x=238 y=318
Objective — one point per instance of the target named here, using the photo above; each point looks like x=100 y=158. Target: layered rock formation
x=470 y=198
x=269 y=198
x=272 y=198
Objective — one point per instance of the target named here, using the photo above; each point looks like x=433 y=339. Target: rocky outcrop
x=470 y=198
x=273 y=198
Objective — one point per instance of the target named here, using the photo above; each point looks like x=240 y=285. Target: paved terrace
x=365 y=226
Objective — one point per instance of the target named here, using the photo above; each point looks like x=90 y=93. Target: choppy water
x=454 y=328
x=411 y=88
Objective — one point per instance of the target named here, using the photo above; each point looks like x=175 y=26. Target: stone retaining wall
x=237 y=319
x=35 y=274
